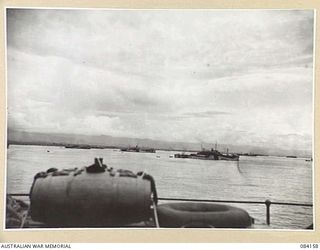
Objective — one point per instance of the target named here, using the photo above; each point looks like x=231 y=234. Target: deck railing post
x=268 y=203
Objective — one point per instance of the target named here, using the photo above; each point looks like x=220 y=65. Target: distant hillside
x=110 y=141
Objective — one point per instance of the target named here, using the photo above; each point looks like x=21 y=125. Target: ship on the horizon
x=137 y=149
x=78 y=146
x=212 y=154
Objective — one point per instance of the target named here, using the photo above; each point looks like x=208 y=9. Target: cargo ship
x=137 y=149
x=212 y=154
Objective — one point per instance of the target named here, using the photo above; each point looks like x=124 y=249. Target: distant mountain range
x=22 y=137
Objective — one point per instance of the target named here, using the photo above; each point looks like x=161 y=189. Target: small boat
x=309 y=160
x=182 y=155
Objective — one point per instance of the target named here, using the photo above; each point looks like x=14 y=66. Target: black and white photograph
x=159 y=118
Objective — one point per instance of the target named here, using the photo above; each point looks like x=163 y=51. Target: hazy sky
x=238 y=77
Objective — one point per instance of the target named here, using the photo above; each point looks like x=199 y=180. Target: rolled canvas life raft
x=91 y=197
x=202 y=215
x=98 y=196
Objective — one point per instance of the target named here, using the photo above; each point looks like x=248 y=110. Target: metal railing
x=267 y=203
x=18 y=194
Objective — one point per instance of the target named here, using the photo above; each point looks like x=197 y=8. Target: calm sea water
x=253 y=178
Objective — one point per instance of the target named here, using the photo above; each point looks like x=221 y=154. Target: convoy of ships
x=55 y=195
x=212 y=154
x=204 y=154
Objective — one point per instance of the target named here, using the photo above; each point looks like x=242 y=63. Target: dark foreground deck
x=18 y=213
